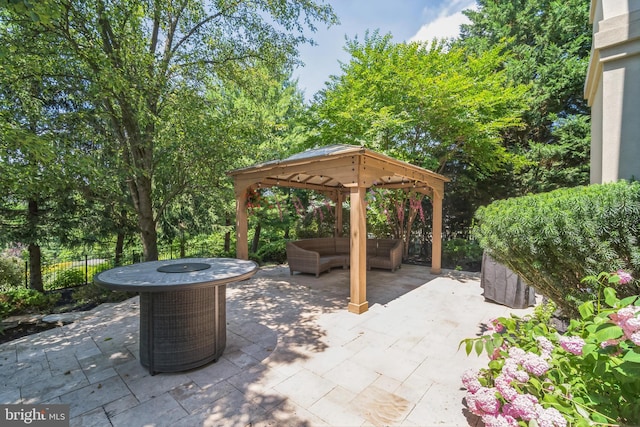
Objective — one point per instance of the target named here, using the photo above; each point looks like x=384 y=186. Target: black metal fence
x=59 y=272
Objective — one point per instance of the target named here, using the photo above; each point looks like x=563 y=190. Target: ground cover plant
x=584 y=376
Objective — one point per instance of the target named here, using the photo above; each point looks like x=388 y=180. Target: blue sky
x=406 y=20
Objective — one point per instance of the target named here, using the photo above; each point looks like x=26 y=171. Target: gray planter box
x=503 y=286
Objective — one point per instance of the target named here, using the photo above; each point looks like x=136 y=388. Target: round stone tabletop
x=176 y=274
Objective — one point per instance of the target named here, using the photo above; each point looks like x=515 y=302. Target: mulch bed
x=24 y=330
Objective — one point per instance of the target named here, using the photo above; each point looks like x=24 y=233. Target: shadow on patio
x=294 y=356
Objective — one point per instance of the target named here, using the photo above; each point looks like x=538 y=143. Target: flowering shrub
x=539 y=377
x=254 y=198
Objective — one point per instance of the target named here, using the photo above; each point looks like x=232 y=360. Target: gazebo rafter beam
x=272 y=182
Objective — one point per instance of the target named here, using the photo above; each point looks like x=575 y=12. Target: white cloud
x=446 y=25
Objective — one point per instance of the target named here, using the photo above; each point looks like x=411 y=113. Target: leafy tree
x=440 y=107
x=420 y=102
x=41 y=154
x=269 y=115
x=146 y=67
x=38 y=11
x=563 y=163
x=549 y=44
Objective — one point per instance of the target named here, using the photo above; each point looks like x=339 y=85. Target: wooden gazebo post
x=358 y=231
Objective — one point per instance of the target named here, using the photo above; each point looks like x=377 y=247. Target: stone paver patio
x=294 y=357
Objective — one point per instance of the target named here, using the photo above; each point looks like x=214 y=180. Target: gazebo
x=338 y=171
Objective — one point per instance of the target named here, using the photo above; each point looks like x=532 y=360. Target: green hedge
x=275 y=251
x=553 y=240
x=461 y=254
x=11 y=272
x=23 y=300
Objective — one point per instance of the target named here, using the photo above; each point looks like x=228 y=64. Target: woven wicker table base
x=183 y=318
x=182 y=330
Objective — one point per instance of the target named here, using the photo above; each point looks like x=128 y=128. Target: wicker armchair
x=384 y=253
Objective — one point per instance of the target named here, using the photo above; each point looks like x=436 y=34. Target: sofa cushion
x=385 y=246
x=335 y=260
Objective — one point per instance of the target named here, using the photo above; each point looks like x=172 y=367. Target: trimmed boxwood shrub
x=553 y=240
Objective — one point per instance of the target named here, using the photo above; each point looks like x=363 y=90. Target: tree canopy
x=150 y=71
x=424 y=103
x=441 y=107
x=549 y=44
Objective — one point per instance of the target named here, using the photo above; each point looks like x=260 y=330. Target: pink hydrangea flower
x=633 y=323
x=510 y=368
x=524 y=407
x=472 y=404
x=487 y=401
x=572 y=344
x=470 y=380
x=496 y=353
x=522 y=376
x=624 y=313
x=550 y=417
x=635 y=338
x=546 y=346
x=535 y=364
x=517 y=353
x=627 y=320
x=624 y=277
x=499 y=420
x=503 y=385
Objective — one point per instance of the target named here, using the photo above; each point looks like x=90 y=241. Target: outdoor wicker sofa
x=322 y=254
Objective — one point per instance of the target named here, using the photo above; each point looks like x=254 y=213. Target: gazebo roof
x=337 y=168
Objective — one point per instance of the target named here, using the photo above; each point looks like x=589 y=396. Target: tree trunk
x=227 y=235
x=140 y=188
x=413 y=213
x=119 y=248
x=149 y=236
x=120 y=238
x=35 y=267
x=256 y=238
x=35 y=255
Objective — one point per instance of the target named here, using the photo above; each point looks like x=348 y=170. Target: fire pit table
x=182 y=307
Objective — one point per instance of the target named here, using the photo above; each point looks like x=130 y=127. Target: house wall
x=612 y=89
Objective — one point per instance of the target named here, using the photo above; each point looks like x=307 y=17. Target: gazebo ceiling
x=338 y=168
